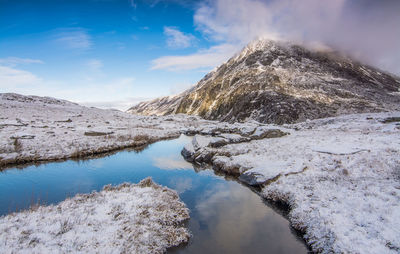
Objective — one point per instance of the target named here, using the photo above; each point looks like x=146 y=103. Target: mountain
x=280 y=82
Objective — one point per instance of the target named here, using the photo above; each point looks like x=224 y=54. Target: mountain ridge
x=281 y=82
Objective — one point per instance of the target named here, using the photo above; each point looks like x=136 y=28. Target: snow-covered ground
x=36 y=128
x=39 y=128
x=128 y=218
x=340 y=176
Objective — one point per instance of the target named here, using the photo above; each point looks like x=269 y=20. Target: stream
x=225 y=216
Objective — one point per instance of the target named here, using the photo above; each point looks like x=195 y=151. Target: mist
x=368 y=30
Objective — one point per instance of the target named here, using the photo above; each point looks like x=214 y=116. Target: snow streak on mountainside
x=279 y=82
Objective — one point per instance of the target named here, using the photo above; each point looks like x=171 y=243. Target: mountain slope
x=279 y=82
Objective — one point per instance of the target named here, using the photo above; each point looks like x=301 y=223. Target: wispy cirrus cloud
x=74 y=38
x=14 y=61
x=94 y=65
x=177 y=39
x=203 y=59
x=12 y=78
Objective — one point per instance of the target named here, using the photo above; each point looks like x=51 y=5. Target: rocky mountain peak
x=281 y=82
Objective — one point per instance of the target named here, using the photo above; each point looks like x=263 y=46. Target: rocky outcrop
x=278 y=82
x=338 y=176
x=206 y=149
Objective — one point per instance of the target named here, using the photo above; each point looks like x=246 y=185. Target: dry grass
x=123 y=138
x=141 y=138
x=17 y=145
x=77 y=153
x=160 y=217
x=97 y=133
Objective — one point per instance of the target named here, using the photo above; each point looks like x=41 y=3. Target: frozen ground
x=340 y=176
x=129 y=218
x=39 y=128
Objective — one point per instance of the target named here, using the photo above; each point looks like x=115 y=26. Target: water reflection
x=226 y=217
x=231 y=219
x=95 y=164
x=171 y=163
x=181 y=184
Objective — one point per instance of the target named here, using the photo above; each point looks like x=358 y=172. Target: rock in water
x=279 y=82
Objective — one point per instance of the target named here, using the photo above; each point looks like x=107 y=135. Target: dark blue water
x=226 y=217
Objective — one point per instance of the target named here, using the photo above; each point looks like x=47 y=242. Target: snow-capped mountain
x=280 y=82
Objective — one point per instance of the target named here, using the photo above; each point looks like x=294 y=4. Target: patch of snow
x=339 y=175
x=194 y=100
x=233 y=138
x=200 y=141
x=51 y=129
x=129 y=218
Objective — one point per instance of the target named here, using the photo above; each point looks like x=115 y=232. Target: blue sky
x=114 y=53
x=97 y=51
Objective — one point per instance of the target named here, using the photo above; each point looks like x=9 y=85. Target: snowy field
x=34 y=129
x=340 y=176
x=128 y=218
x=39 y=129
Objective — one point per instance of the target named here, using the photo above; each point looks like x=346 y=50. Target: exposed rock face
x=160 y=106
x=277 y=82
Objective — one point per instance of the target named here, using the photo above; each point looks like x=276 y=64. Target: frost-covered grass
x=36 y=128
x=340 y=177
x=128 y=218
x=39 y=128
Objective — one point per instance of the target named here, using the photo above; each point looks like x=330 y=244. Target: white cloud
x=94 y=64
x=95 y=92
x=234 y=20
x=14 y=61
x=123 y=104
x=119 y=93
x=203 y=59
x=11 y=78
x=178 y=39
x=366 y=29
x=74 y=38
x=100 y=90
